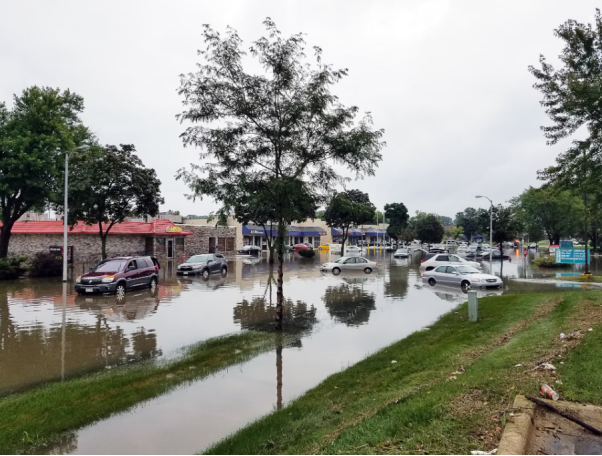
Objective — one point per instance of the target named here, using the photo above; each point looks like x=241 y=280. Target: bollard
x=473 y=306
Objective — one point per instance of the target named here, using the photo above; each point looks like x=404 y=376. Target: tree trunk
x=280 y=282
x=103 y=243
x=595 y=236
x=271 y=258
x=5 y=233
x=556 y=239
x=279 y=372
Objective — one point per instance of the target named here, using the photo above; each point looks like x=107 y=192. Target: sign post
x=57 y=250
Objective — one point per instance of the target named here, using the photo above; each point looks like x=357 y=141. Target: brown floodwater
x=46 y=336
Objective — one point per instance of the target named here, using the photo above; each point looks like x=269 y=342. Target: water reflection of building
x=349 y=303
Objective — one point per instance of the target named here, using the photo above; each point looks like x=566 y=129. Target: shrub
x=11 y=267
x=548 y=262
x=307 y=253
x=45 y=264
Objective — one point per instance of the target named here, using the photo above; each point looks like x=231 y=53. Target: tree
x=348 y=209
x=457 y=232
x=429 y=228
x=108 y=184
x=170 y=212
x=274 y=128
x=446 y=221
x=506 y=226
x=408 y=234
x=397 y=215
x=571 y=97
x=34 y=136
x=377 y=219
x=554 y=212
x=468 y=220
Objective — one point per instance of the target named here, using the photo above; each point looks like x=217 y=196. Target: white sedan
x=433 y=260
x=465 y=276
x=349 y=264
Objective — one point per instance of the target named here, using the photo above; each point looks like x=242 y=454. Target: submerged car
x=352 y=250
x=433 y=260
x=349 y=264
x=250 y=250
x=465 y=276
x=204 y=265
x=495 y=255
x=472 y=250
x=118 y=275
x=402 y=253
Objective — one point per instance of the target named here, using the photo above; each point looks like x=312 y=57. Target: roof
x=156 y=227
x=290 y=230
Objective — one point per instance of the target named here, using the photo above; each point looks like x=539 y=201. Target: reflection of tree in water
x=349 y=303
x=30 y=355
x=258 y=315
x=397 y=285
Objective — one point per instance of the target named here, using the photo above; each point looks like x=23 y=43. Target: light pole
x=490 y=230
x=65 y=211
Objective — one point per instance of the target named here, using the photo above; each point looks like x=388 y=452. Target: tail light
x=422 y=261
x=156 y=268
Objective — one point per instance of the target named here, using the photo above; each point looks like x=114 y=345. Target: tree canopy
x=272 y=128
x=348 y=209
x=35 y=134
x=397 y=215
x=428 y=227
x=446 y=221
x=108 y=184
x=469 y=221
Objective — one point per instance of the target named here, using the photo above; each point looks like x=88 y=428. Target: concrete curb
x=519 y=428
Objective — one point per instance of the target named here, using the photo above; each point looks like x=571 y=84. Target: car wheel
x=205 y=274
x=336 y=271
x=465 y=284
x=153 y=284
x=224 y=270
x=120 y=291
x=367 y=270
x=432 y=282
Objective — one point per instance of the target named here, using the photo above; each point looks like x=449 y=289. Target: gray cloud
x=447 y=80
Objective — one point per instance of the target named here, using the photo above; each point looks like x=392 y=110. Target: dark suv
x=205 y=264
x=116 y=275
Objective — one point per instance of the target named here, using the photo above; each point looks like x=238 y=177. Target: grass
x=451 y=388
x=596 y=279
x=42 y=416
x=549 y=262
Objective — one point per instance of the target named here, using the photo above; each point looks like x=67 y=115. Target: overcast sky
x=447 y=80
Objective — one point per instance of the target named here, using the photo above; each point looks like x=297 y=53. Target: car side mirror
x=91 y=270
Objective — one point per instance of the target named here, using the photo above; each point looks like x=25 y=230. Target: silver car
x=402 y=253
x=465 y=276
x=349 y=264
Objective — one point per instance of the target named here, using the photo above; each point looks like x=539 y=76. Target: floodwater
x=335 y=321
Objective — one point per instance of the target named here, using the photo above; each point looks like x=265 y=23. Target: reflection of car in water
x=213 y=282
x=458 y=295
x=131 y=306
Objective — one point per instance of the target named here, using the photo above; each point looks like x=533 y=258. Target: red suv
x=117 y=275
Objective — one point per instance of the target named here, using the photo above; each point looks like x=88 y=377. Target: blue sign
x=572 y=256
x=478 y=239
x=566 y=244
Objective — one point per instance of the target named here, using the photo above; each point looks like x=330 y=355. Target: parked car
x=495 y=255
x=308 y=245
x=472 y=250
x=204 y=265
x=451 y=242
x=433 y=260
x=465 y=276
x=352 y=250
x=349 y=264
x=332 y=247
x=298 y=247
x=118 y=275
x=437 y=248
x=250 y=250
x=533 y=245
x=402 y=253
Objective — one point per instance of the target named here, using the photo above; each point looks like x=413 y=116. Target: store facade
x=256 y=235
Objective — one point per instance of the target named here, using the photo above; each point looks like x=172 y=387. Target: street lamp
x=65 y=210
x=490 y=230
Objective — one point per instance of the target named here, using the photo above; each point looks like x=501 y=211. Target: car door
x=453 y=276
x=131 y=275
x=361 y=263
x=439 y=274
x=349 y=264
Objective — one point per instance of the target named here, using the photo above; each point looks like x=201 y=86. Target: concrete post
x=473 y=306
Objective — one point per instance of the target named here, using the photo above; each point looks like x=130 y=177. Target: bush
x=307 y=253
x=11 y=267
x=45 y=264
x=548 y=262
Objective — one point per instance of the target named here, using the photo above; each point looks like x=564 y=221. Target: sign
x=173 y=229
x=525 y=251
x=566 y=244
x=553 y=248
x=571 y=256
x=57 y=250
x=478 y=239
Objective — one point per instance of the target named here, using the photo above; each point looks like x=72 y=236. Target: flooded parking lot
x=333 y=321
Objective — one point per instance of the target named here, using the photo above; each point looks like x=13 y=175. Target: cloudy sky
x=447 y=80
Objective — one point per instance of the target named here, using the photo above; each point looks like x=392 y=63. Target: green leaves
x=397 y=215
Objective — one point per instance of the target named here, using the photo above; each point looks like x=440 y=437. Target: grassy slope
x=411 y=406
x=40 y=416
x=597 y=279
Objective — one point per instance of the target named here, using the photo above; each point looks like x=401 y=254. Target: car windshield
x=111 y=266
x=467 y=270
x=197 y=259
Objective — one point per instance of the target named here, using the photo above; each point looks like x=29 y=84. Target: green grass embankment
x=39 y=417
x=594 y=279
x=451 y=388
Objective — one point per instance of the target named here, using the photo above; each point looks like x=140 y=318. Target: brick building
x=160 y=238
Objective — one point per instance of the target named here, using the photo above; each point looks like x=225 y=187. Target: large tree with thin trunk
x=397 y=216
x=35 y=134
x=275 y=124
x=571 y=99
x=348 y=209
x=108 y=184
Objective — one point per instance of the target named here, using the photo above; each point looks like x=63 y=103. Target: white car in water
x=434 y=260
x=349 y=263
x=465 y=276
x=352 y=250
